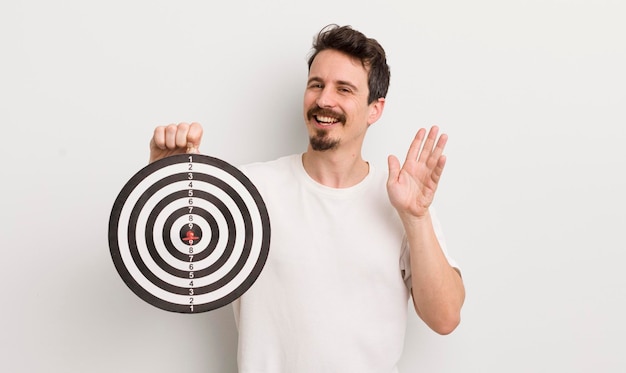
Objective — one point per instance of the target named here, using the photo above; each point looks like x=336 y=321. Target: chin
x=323 y=143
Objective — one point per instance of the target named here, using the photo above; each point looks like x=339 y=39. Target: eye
x=315 y=84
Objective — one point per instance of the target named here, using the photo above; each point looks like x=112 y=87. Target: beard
x=321 y=142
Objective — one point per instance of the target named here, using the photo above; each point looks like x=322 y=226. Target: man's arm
x=437 y=288
x=175 y=139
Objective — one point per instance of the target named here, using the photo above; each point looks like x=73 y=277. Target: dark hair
x=353 y=43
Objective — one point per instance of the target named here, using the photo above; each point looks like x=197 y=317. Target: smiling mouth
x=324 y=117
x=325 y=120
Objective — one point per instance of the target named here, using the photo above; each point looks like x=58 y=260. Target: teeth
x=326 y=120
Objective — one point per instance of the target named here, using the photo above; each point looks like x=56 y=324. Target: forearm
x=437 y=288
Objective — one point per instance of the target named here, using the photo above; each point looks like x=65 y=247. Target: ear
x=375 y=110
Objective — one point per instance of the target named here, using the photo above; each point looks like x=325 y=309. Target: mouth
x=324 y=117
x=325 y=120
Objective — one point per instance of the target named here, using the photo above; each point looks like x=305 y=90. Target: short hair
x=355 y=44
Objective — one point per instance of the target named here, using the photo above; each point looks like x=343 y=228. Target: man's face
x=335 y=102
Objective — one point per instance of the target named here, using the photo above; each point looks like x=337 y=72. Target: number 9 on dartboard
x=189 y=233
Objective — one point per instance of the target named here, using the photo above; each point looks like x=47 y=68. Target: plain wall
x=532 y=94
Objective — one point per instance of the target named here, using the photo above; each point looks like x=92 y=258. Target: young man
x=350 y=243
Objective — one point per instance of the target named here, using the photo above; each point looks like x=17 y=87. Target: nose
x=326 y=98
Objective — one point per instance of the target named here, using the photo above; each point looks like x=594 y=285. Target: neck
x=333 y=169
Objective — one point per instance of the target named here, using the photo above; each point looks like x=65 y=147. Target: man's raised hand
x=412 y=187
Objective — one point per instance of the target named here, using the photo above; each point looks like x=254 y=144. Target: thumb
x=394 y=168
x=194 y=137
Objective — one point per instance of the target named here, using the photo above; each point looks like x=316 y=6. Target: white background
x=532 y=94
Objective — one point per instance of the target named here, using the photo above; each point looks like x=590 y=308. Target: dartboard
x=189 y=233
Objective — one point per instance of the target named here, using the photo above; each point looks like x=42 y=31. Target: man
x=350 y=243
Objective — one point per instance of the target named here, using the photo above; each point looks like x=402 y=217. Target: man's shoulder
x=274 y=171
x=277 y=165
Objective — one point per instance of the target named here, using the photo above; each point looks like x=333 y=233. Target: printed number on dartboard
x=191 y=242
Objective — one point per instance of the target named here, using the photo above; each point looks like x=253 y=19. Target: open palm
x=412 y=186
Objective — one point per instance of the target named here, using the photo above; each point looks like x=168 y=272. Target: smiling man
x=351 y=244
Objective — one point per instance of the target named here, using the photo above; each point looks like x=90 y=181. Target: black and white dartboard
x=189 y=233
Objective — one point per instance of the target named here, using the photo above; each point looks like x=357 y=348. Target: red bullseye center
x=190 y=234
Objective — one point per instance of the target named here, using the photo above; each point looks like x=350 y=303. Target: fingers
x=416 y=145
x=182 y=136
x=158 y=138
x=164 y=137
x=429 y=144
x=437 y=154
x=170 y=136
x=438 y=170
x=179 y=135
x=427 y=149
x=175 y=139
x=420 y=150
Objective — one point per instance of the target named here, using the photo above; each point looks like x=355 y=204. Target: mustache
x=318 y=111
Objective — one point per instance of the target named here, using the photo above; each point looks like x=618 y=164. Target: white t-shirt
x=333 y=295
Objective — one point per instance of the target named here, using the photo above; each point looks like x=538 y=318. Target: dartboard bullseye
x=189 y=233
